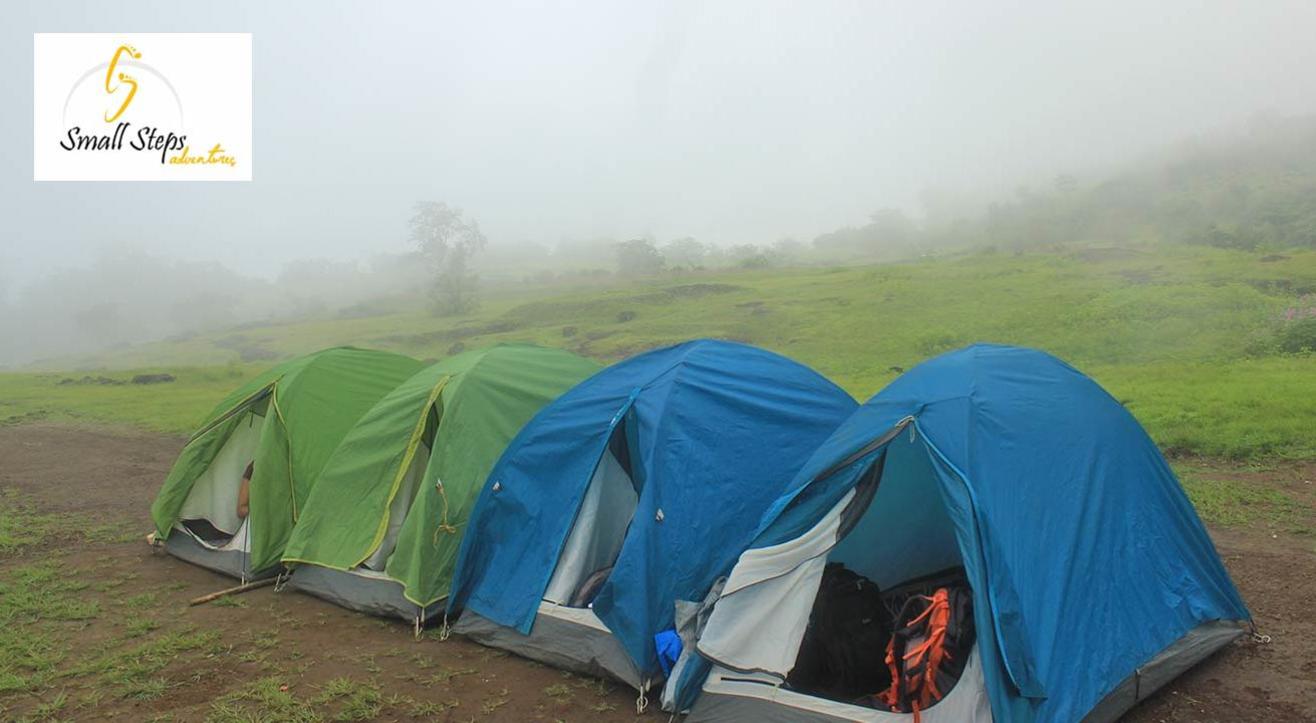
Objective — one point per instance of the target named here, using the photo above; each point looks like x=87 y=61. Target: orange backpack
x=927 y=649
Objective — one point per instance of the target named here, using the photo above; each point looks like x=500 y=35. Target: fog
x=556 y=125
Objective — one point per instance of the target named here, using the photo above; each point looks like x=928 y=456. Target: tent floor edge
x=1194 y=647
x=731 y=696
x=374 y=594
x=571 y=639
x=226 y=562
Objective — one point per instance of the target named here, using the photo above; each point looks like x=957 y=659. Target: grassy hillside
x=1191 y=338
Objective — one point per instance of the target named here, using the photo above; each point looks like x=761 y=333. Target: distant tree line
x=1246 y=193
x=645 y=256
x=1249 y=193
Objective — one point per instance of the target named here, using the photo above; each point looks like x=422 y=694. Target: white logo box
x=188 y=117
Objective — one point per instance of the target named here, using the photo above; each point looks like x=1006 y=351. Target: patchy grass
x=141 y=601
x=558 y=691
x=267 y=700
x=176 y=407
x=431 y=708
x=444 y=675
x=30 y=659
x=356 y=700
x=50 y=709
x=498 y=701
x=1241 y=504
x=23 y=527
x=134 y=671
x=44 y=591
x=1243 y=409
x=41 y=606
x=138 y=627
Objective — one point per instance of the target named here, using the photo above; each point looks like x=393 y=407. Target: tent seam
x=231 y=411
x=417 y=431
x=287 y=441
x=977 y=529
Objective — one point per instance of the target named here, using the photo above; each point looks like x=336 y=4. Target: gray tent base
x=731 y=696
x=721 y=701
x=226 y=562
x=1183 y=654
x=567 y=638
x=373 y=594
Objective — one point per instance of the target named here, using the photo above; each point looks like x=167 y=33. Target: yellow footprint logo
x=113 y=84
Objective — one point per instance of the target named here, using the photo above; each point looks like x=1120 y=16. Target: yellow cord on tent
x=444 y=525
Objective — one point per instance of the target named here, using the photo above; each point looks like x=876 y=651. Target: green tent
x=286 y=421
x=381 y=530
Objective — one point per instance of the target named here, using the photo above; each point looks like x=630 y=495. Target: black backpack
x=842 y=656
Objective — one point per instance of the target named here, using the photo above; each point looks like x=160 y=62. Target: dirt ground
x=343 y=665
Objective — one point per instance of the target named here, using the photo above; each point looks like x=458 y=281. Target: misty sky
x=730 y=121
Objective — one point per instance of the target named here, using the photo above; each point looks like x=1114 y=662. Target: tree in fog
x=888 y=231
x=448 y=242
x=788 y=251
x=685 y=253
x=891 y=227
x=638 y=257
x=749 y=256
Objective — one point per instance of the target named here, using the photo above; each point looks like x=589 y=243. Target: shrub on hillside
x=1298 y=336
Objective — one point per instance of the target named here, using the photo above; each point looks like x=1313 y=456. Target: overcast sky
x=729 y=121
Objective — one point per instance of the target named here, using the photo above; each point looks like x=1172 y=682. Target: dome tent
x=630 y=492
x=286 y=421
x=1093 y=580
x=380 y=532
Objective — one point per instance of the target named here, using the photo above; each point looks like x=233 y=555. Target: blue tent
x=1094 y=582
x=655 y=473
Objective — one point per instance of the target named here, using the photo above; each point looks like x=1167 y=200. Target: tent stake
x=233 y=590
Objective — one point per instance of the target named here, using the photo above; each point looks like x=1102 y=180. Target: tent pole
x=244 y=587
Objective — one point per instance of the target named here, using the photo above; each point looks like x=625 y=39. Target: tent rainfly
x=632 y=491
x=1093 y=581
x=285 y=422
x=381 y=530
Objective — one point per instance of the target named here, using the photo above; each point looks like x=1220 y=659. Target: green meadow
x=1194 y=340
